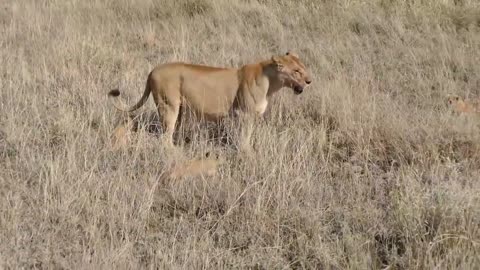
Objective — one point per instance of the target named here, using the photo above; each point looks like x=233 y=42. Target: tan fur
x=213 y=93
x=121 y=136
x=195 y=167
x=461 y=105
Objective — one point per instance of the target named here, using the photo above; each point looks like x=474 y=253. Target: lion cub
x=461 y=105
x=196 y=167
x=122 y=135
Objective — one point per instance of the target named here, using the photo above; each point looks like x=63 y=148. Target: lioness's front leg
x=246 y=122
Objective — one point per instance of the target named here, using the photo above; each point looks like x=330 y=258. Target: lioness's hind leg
x=169 y=115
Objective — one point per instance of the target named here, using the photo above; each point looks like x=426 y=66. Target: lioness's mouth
x=297 y=89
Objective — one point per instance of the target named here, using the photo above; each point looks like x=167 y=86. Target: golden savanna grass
x=368 y=169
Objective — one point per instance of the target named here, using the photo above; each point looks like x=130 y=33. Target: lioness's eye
x=297 y=71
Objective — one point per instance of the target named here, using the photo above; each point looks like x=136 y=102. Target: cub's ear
x=292 y=54
x=277 y=61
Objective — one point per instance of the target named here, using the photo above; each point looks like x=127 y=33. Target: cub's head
x=291 y=72
x=452 y=100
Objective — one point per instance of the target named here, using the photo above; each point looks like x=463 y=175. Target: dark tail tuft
x=114 y=93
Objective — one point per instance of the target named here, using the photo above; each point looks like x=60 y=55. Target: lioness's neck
x=270 y=71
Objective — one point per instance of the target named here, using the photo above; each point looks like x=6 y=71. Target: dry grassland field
x=369 y=168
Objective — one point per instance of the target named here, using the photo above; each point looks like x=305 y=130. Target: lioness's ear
x=277 y=61
x=292 y=54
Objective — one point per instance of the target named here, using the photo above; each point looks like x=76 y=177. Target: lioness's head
x=292 y=72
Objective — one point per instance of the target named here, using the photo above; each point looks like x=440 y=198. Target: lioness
x=214 y=92
x=461 y=105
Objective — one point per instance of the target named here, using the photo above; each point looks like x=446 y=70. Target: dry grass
x=365 y=170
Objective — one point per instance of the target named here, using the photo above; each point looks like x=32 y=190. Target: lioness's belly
x=211 y=107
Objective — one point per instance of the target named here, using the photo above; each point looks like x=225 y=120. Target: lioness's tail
x=120 y=105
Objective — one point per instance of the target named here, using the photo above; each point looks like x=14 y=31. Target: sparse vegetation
x=366 y=170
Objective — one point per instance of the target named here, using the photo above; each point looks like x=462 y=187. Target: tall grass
x=366 y=170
